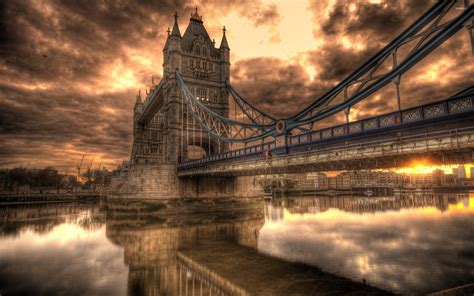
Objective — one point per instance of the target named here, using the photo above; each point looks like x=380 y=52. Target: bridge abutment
x=146 y=181
x=220 y=186
x=161 y=181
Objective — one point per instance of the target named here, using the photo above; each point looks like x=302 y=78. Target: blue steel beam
x=431 y=14
x=409 y=62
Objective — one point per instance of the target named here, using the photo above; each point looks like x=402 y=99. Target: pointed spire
x=195 y=16
x=224 y=43
x=175 y=31
x=139 y=98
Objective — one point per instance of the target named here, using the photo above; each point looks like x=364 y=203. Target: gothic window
x=146 y=149
x=215 y=96
x=205 y=65
x=198 y=64
x=154 y=136
x=197 y=50
x=201 y=94
x=204 y=51
x=191 y=64
x=154 y=149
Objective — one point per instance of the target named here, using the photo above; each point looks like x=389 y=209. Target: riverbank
x=6 y=199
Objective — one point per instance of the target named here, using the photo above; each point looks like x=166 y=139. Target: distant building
x=352 y=180
x=320 y=180
x=460 y=171
x=301 y=181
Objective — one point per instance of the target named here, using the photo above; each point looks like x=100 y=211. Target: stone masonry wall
x=215 y=186
x=157 y=181
x=160 y=181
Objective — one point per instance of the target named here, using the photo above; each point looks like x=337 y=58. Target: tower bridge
x=194 y=133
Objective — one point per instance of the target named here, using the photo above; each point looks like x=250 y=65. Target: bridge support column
x=146 y=181
x=220 y=186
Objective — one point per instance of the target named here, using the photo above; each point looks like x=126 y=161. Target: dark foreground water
x=412 y=244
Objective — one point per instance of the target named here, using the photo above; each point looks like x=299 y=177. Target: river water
x=411 y=244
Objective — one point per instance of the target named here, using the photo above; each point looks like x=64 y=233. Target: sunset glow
x=65 y=64
x=419 y=168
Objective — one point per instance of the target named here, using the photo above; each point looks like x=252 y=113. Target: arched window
x=198 y=64
x=204 y=51
x=198 y=49
x=202 y=94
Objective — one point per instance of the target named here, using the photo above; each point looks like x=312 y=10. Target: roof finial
x=152 y=80
x=224 y=43
x=195 y=16
x=168 y=31
x=139 y=99
x=175 y=31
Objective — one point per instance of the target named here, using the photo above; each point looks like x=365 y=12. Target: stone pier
x=160 y=181
x=220 y=186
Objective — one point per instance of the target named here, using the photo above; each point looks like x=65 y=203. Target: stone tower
x=163 y=132
x=147 y=145
x=171 y=135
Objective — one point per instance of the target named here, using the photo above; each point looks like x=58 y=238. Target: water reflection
x=58 y=249
x=151 y=248
x=412 y=243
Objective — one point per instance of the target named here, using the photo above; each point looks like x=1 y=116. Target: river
x=412 y=244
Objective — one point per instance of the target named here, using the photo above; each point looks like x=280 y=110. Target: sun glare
x=423 y=168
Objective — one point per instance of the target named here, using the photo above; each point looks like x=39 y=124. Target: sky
x=70 y=70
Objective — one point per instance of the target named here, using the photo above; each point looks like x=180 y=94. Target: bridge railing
x=412 y=116
x=390 y=120
x=338 y=151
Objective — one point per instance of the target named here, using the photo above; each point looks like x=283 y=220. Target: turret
x=175 y=47
x=225 y=55
x=224 y=44
x=138 y=104
x=175 y=32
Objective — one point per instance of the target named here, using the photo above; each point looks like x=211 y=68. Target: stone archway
x=201 y=147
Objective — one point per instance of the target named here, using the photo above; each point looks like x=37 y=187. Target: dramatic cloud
x=70 y=69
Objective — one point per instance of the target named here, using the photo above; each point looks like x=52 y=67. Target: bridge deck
x=444 y=130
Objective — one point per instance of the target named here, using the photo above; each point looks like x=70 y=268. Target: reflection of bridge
x=274 y=209
x=196 y=121
x=212 y=258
